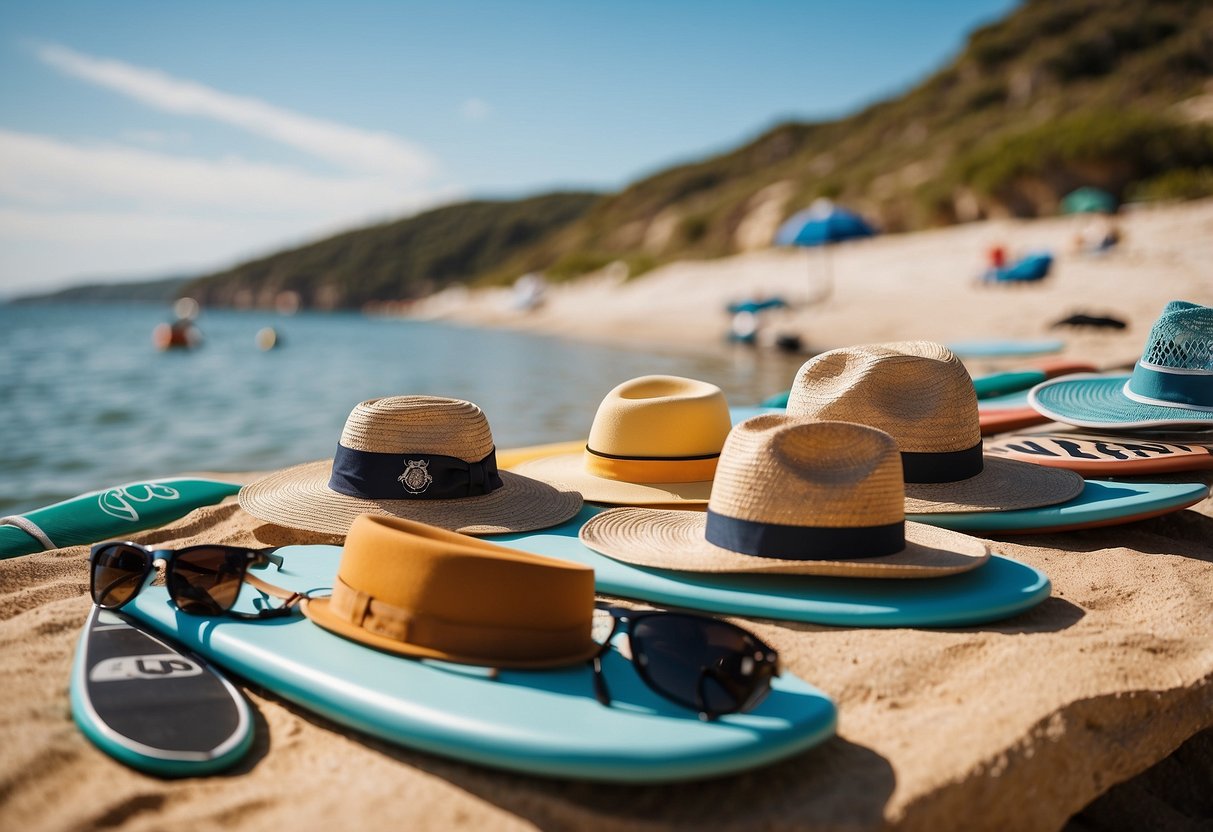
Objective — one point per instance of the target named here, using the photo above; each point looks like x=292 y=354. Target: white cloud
x=475 y=109
x=129 y=207
x=348 y=147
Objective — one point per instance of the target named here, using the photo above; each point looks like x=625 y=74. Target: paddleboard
x=1106 y=456
x=1010 y=411
x=542 y=722
x=1009 y=347
x=1012 y=381
x=1099 y=504
x=155 y=708
x=108 y=514
x=998 y=589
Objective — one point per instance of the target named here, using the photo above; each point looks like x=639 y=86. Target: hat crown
x=791 y=472
x=469 y=588
x=661 y=416
x=419 y=425
x=1181 y=338
x=919 y=392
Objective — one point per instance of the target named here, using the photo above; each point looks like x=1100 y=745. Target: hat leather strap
x=945 y=466
x=1171 y=387
x=372 y=475
x=775 y=540
x=489 y=642
x=650 y=468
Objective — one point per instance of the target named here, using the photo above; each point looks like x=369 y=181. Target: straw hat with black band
x=427 y=593
x=921 y=394
x=655 y=440
x=793 y=497
x=424 y=458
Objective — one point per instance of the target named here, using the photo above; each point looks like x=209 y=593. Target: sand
x=1015 y=725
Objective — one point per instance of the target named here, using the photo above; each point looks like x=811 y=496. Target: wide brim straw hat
x=427 y=593
x=793 y=497
x=412 y=457
x=655 y=440
x=1170 y=387
x=921 y=394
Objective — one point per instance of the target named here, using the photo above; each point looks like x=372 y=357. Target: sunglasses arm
x=290 y=599
x=266 y=558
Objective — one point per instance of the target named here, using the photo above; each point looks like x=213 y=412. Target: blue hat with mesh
x=1171 y=386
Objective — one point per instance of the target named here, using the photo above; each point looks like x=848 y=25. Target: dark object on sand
x=1097 y=321
x=788 y=342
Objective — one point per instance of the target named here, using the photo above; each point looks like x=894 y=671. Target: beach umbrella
x=1088 y=200
x=822 y=224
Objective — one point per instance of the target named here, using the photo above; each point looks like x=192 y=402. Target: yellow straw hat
x=793 y=497
x=655 y=440
x=420 y=457
x=922 y=395
x=427 y=593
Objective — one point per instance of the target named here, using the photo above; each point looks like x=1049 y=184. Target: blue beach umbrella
x=821 y=224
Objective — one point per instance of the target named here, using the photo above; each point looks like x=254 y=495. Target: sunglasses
x=702 y=663
x=201 y=580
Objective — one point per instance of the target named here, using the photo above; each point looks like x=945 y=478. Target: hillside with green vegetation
x=1061 y=93
x=399 y=260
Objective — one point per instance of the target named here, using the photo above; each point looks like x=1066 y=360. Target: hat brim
x=299 y=497
x=1094 y=401
x=1002 y=485
x=320 y=612
x=675 y=540
x=570 y=469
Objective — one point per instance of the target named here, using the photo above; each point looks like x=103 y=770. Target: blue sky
x=142 y=139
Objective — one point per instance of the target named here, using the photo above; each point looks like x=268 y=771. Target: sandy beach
x=1014 y=725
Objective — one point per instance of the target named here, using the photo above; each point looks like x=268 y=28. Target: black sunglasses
x=201 y=580
x=702 y=663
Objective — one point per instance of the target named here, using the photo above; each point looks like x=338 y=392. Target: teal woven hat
x=1171 y=386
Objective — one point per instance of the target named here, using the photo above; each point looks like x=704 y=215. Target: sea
x=87 y=401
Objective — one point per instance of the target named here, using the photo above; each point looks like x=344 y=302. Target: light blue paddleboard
x=542 y=722
x=998 y=348
x=149 y=705
x=998 y=589
x=1101 y=503
x=1007 y=401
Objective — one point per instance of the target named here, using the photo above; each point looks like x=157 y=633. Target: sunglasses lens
x=205 y=581
x=117 y=573
x=711 y=666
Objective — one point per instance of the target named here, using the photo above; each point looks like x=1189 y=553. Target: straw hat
x=421 y=457
x=424 y=592
x=920 y=393
x=655 y=440
x=793 y=497
x=1171 y=386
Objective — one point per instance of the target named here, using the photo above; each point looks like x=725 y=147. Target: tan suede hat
x=427 y=593
x=655 y=440
x=420 y=457
x=921 y=394
x=793 y=497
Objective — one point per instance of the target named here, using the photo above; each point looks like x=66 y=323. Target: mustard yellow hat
x=428 y=593
x=655 y=440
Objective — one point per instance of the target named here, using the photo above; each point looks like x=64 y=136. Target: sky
x=141 y=140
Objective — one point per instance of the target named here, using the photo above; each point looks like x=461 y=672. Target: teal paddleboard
x=1004 y=347
x=1101 y=503
x=109 y=514
x=542 y=722
x=151 y=706
x=998 y=589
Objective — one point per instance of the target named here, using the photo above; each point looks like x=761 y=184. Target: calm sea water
x=86 y=401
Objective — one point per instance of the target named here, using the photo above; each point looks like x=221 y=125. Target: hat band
x=1170 y=387
x=946 y=466
x=378 y=476
x=486 y=642
x=773 y=540
x=651 y=468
